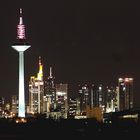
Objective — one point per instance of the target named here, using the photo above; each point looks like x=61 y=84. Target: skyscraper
x=90 y=95
x=62 y=99
x=50 y=92
x=125 y=93
x=98 y=96
x=111 y=99
x=36 y=91
x=21 y=45
x=1 y=106
x=83 y=94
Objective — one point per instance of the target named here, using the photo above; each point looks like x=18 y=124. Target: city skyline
x=82 y=41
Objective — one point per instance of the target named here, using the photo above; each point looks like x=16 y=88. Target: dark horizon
x=84 y=41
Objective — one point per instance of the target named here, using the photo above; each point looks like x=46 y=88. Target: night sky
x=84 y=41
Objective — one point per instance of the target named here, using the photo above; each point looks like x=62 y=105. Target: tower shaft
x=21 y=109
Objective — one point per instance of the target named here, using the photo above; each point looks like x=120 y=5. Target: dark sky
x=84 y=41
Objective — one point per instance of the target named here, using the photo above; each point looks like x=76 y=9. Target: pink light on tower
x=21 y=27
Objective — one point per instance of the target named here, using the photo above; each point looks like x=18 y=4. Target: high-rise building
x=21 y=46
x=72 y=108
x=95 y=95
x=83 y=95
x=62 y=99
x=50 y=92
x=125 y=93
x=98 y=96
x=111 y=99
x=36 y=91
x=14 y=105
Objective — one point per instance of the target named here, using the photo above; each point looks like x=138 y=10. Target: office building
x=111 y=99
x=62 y=99
x=83 y=95
x=125 y=86
x=36 y=91
x=50 y=93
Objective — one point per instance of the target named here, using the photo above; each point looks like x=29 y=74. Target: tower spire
x=40 y=73
x=21 y=28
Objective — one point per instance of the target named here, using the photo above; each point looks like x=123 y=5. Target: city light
x=21 y=120
x=120 y=79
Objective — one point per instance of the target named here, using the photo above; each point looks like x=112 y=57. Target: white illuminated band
x=20 y=48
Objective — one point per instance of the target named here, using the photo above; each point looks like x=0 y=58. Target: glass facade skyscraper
x=125 y=93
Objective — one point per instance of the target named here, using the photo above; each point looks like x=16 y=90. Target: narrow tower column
x=21 y=85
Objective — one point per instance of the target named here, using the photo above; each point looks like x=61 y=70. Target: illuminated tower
x=125 y=93
x=21 y=46
x=36 y=91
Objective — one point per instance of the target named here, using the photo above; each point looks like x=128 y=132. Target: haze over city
x=84 y=41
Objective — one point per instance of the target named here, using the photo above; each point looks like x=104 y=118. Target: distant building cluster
x=53 y=100
x=96 y=98
x=47 y=97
